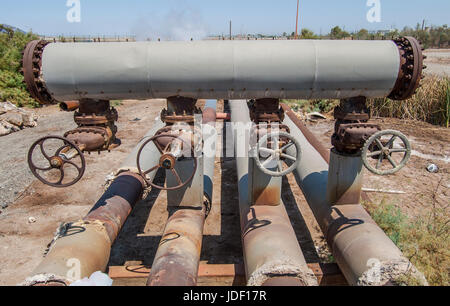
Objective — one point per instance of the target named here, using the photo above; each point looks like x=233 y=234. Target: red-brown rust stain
x=170 y=271
x=267 y=196
x=113 y=215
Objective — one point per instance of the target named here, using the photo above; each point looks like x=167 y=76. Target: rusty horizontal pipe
x=82 y=248
x=177 y=259
x=362 y=250
x=69 y=106
x=272 y=254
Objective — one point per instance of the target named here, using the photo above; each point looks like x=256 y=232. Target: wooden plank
x=221 y=275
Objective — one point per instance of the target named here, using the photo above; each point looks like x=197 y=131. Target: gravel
x=15 y=175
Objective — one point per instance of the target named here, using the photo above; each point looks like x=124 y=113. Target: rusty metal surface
x=352 y=128
x=172 y=167
x=69 y=106
x=345 y=179
x=92 y=138
x=411 y=67
x=89 y=241
x=83 y=243
x=354 y=238
x=115 y=205
x=177 y=259
x=307 y=133
x=180 y=109
x=56 y=161
x=265 y=254
x=351 y=137
x=31 y=70
x=266 y=110
x=283 y=281
x=223 y=116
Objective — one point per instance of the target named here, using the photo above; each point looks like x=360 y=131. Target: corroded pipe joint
x=83 y=247
x=117 y=202
x=410 y=70
x=31 y=69
x=177 y=259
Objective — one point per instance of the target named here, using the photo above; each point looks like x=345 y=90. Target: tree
x=363 y=34
x=338 y=33
x=308 y=34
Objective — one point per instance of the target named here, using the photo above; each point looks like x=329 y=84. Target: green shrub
x=12 y=88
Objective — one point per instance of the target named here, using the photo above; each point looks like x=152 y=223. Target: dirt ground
x=22 y=244
x=438 y=61
x=430 y=145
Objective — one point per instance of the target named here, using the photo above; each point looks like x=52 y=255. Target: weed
x=424 y=240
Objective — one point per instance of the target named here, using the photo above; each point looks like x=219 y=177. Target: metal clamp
x=62 y=157
x=377 y=149
x=277 y=155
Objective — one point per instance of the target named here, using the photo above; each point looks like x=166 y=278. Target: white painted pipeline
x=272 y=254
x=364 y=253
x=306 y=69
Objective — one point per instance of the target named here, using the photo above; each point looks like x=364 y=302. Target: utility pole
x=296 y=22
x=230 y=31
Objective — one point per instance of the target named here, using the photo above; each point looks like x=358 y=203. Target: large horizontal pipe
x=83 y=247
x=272 y=254
x=307 y=69
x=362 y=250
x=178 y=256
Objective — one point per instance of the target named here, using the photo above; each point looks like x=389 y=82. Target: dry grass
x=425 y=240
x=431 y=103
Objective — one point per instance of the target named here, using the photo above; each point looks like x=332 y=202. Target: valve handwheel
x=376 y=148
x=167 y=161
x=277 y=154
x=58 y=161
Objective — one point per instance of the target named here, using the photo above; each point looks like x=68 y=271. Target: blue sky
x=179 y=19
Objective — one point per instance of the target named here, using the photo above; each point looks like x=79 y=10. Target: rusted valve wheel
x=375 y=148
x=57 y=161
x=278 y=154
x=167 y=161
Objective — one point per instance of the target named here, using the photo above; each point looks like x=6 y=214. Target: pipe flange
x=411 y=67
x=31 y=70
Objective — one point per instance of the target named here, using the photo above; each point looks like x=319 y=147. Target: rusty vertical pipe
x=178 y=256
x=83 y=247
x=365 y=255
x=272 y=253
